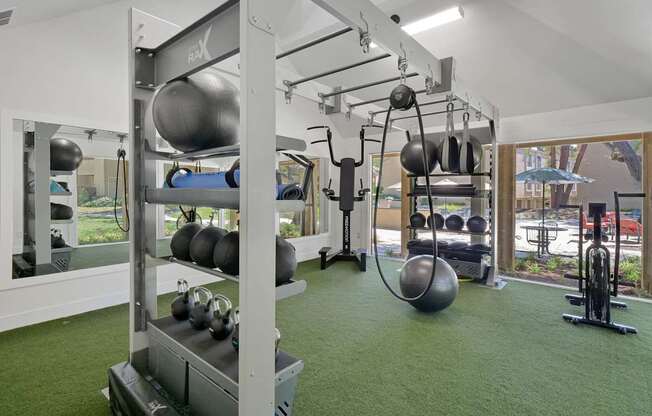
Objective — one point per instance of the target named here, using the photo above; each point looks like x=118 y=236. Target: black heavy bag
x=65 y=155
x=180 y=243
x=470 y=149
x=203 y=244
x=60 y=211
x=449 y=148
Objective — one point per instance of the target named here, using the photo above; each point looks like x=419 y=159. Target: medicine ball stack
x=215 y=247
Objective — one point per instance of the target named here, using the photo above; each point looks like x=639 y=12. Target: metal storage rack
x=482 y=202
x=253 y=383
x=38 y=255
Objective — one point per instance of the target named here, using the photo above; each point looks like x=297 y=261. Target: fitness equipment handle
x=228 y=306
x=329 y=137
x=182 y=286
x=206 y=292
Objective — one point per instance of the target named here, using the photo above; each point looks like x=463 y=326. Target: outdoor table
x=542 y=239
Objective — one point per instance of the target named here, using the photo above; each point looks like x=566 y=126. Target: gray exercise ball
x=415 y=276
x=65 y=155
x=199 y=112
x=412 y=157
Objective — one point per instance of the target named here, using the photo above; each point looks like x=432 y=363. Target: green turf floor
x=492 y=353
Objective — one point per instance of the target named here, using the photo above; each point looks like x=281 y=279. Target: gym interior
x=325 y=207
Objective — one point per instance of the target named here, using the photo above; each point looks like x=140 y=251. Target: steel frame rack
x=158 y=54
x=479 y=179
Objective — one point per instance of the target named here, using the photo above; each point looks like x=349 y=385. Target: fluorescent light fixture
x=427 y=23
x=438 y=19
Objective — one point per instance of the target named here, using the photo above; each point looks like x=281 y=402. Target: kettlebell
x=235 y=340
x=200 y=313
x=180 y=305
x=223 y=323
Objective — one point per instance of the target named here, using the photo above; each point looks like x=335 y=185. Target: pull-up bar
x=377 y=100
x=314 y=42
x=442 y=101
x=427 y=114
x=367 y=85
x=336 y=70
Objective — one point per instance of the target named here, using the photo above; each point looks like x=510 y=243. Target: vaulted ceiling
x=526 y=56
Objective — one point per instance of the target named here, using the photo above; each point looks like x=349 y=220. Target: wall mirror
x=68 y=200
x=69 y=210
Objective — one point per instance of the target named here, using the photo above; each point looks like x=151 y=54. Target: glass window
x=608 y=167
x=95 y=192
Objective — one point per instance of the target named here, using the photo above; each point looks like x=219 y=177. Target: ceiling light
x=438 y=19
x=427 y=23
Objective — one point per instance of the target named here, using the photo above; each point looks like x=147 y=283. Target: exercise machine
x=597 y=280
x=347 y=199
x=578 y=299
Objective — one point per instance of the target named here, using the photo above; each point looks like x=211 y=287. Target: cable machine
x=169 y=371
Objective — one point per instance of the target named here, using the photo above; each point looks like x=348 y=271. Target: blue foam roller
x=207 y=180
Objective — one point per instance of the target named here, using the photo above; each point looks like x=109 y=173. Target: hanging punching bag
x=449 y=148
x=470 y=149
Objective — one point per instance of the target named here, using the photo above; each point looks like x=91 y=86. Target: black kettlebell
x=223 y=322
x=56 y=239
x=180 y=305
x=200 y=313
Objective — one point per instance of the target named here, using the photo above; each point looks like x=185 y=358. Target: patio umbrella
x=550 y=176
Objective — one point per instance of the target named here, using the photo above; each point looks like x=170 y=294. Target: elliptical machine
x=346 y=199
x=597 y=280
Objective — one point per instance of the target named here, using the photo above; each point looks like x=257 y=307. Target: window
x=609 y=166
x=307 y=222
x=95 y=191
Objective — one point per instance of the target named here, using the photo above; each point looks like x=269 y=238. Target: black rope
x=125 y=228
x=430 y=206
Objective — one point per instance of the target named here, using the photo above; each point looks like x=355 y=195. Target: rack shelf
x=61 y=173
x=292 y=288
x=440 y=175
x=67 y=193
x=283 y=144
x=215 y=198
x=61 y=221
x=445 y=231
x=65 y=249
x=215 y=359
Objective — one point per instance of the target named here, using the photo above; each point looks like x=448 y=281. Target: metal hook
x=402 y=63
x=365 y=39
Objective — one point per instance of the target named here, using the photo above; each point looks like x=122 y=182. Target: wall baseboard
x=83 y=305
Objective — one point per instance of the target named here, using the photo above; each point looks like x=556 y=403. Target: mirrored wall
x=69 y=200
